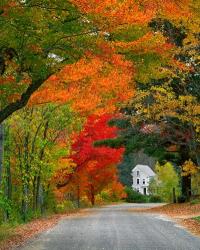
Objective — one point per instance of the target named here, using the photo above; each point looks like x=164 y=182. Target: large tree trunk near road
x=186 y=187
x=186 y=184
x=1 y=151
x=92 y=195
x=7 y=167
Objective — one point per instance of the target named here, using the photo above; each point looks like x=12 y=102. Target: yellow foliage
x=189 y=168
x=67 y=165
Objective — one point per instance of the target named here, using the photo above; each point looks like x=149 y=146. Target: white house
x=142 y=174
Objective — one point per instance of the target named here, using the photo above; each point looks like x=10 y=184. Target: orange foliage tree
x=104 y=76
x=70 y=28
x=111 y=13
x=95 y=84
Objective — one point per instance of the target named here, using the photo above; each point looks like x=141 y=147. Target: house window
x=138 y=173
x=143 y=181
x=138 y=190
x=138 y=181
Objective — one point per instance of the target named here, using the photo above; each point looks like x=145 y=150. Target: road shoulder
x=20 y=234
x=186 y=215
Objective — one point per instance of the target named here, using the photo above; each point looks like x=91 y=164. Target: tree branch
x=14 y=106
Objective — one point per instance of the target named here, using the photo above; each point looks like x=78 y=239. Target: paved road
x=115 y=228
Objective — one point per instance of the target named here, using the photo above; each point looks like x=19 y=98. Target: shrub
x=133 y=196
x=105 y=195
x=155 y=198
x=197 y=218
x=99 y=200
x=84 y=202
x=65 y=206
x=195 y=201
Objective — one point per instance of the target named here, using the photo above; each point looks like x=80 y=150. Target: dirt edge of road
x=22 y=233
x=183 y=214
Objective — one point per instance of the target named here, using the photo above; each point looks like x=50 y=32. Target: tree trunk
x=78 y=196
x=186 y=184
x=186 y=187
x=1 y=151
x=46 y=194
x=37 y=192
x=20 y=103
x=24 y=202
x=41 y=199
x=27 y=178
x=8 y=187
x=8 y=169
x=92 y=196
x=39 y=195
x=174 y=195
x=34 y=194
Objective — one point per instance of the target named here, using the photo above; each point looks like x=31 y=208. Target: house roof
x=144 y=168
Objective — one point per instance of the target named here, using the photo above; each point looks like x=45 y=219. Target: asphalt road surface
x=115 y=228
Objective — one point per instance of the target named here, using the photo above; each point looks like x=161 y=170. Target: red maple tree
x=94 y=165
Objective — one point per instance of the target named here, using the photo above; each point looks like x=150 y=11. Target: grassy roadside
x=15 y=235
x=6 y=232
x=197 y=218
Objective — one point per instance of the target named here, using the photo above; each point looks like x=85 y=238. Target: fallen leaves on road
x=183 y=210
x=183 y=213
x=192 y=225
x=26 y=231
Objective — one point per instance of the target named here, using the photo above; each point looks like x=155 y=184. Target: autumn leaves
x=91 y=60
x=95 y=167
x=92 y=85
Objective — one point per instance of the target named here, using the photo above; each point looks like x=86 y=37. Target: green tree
x=38 y=138
x=165 y=182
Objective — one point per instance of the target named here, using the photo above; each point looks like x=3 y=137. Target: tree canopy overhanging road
x=116 y=228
